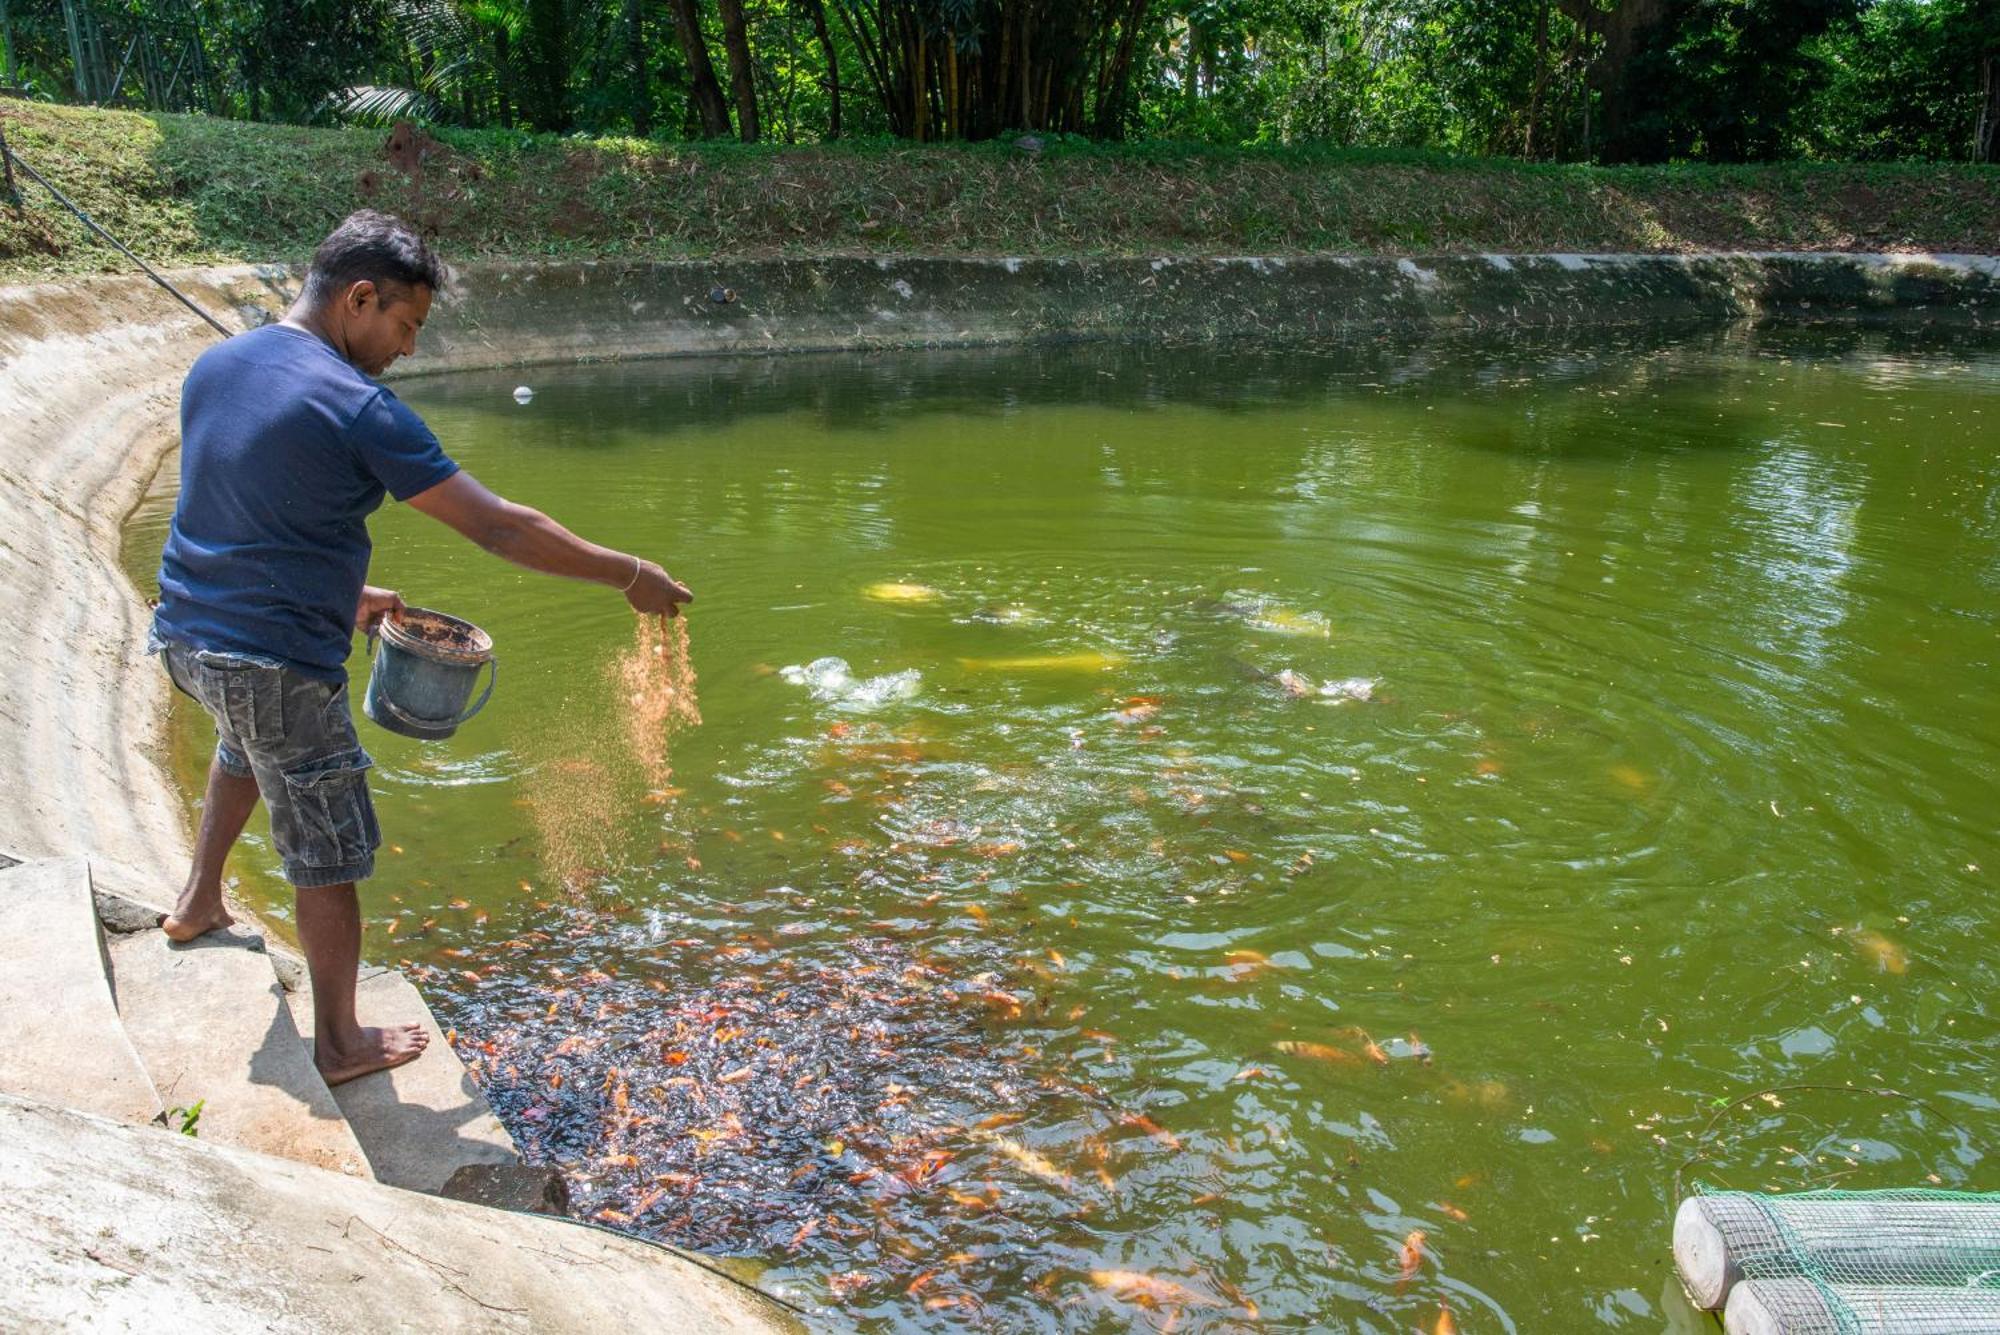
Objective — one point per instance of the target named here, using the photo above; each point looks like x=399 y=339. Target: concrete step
x=422 y=1121
x=64 y=1041
x=209 y=1021
x=117 y=1228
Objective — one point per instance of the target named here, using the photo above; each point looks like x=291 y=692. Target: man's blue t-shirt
x=286 y=449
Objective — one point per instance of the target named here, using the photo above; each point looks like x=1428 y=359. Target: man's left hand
x=376 y=604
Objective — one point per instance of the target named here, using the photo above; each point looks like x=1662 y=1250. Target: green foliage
x=187 y=1121
x=1903 y=81
x=1562 y=80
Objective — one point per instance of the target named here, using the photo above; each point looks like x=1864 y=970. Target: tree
x=742 y=74
x=704 y=90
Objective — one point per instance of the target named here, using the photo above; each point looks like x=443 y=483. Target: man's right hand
x=655 y=592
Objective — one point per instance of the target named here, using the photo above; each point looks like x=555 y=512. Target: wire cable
x=16 y=160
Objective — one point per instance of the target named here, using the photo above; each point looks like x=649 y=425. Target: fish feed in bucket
x=424 y=667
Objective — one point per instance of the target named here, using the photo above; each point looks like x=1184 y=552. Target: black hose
x=14 y=159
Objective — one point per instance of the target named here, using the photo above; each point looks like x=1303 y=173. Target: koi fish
x=1285 y=621
x=1139 y=708
x=1245 y=964
x=1136 y=1286
x=1411 y=1255
x=1317 y=1051
x=1151 y=1128
x=1888 y=956
x=890 y=591
x=1445 y=1325
x=1088 y=661
x=1631 y=777
x=1036 y=1164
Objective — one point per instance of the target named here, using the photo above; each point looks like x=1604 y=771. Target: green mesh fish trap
x=1902 y=1262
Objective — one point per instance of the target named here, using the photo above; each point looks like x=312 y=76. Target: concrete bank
x=129 y=1228
x=90 y=372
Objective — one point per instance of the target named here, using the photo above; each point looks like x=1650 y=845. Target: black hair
x=383 y=250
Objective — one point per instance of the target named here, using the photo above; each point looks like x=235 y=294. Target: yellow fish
x=1026 y=1158
x=1320 y=1052
x=1284 y=621
x=1084 y=662
x=1888 y=956
x=892 y=592
x=1631 y=777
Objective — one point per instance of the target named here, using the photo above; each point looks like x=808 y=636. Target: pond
x=1270 y=804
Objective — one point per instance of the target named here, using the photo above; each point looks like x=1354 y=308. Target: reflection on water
x=1225 y=838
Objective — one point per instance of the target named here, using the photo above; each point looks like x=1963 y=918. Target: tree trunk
x=706 y=93
x=1541 y=78
x=1027 y=71
x=1623 y=30
x=954 y=123
x=642 y=74
x=742 y=78
x=1111 y=96
x=816 y=11
x=1986 y=132
x=548 y=105
x=7 y=41
x=504 y=70
x=871 y=44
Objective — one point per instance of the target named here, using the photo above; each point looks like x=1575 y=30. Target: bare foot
x=187 y=923
x=378 y=1050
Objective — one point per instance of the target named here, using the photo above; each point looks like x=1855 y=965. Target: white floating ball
x=522 y=394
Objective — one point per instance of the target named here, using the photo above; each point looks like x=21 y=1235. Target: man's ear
x=360 y=294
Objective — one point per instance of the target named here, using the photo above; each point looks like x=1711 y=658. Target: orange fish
x=1152 y=1128
x=1411 y=1256
x=1445 y=1325
x=1136 y=1286
x=1452 y=1212
x=1317 y=1051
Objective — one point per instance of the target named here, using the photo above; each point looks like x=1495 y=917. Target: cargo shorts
x=293 y=734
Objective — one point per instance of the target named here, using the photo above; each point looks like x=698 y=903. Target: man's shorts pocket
x=333 y=816
x=249 y=696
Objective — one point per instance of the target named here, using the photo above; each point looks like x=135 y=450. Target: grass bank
x=188 y=190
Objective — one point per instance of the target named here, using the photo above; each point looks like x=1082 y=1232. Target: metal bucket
x=422 y=670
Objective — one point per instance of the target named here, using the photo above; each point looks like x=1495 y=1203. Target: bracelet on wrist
x=638 y=569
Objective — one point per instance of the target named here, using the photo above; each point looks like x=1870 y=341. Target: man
x=288 y=444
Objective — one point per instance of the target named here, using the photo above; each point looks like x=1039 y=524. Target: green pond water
x=1306 y=797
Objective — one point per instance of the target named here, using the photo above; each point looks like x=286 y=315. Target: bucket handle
x=411 y=720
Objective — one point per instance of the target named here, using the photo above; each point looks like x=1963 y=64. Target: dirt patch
x=435 y=180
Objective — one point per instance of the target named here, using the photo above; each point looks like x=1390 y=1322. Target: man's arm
x=530 y=538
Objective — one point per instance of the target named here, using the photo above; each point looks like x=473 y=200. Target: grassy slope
x=182 y=190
